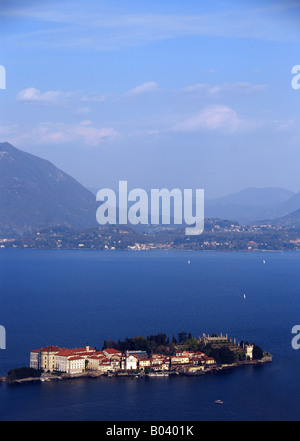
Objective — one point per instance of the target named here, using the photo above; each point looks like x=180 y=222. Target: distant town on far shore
x=253 y=219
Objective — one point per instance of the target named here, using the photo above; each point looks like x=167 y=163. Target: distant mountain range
x=248 y=206
x=253 y=204
x=34 y=194
x=292 y=220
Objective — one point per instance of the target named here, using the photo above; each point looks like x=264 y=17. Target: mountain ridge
x=251 y=204
x=34 y=193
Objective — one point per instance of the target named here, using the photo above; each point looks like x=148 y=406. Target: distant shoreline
x=150 y=250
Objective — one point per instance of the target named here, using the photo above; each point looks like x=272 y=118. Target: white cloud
x=211 y=118
x=84 y=132
x=285 y=125
x=148 y=87
x=66 y=133
x=92 y=135
x=32 y=95
x=242 y=87
x=196 y=88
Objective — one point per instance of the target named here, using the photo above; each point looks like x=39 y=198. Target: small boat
x=219 y=402
x=244 y=296
x=189 y=261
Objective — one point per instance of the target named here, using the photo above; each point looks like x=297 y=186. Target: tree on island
x=181 y=337
x=160 y=343
x=222 y=355
x=110 y=344
x=258 y=353
x=23 y=372
x=134 y=344
x=192 y=344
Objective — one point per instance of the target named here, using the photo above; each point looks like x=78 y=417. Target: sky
x=175 y=94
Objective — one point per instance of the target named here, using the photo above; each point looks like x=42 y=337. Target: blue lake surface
x=74 y=298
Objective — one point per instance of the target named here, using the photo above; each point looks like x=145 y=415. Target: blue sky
x=187 y=94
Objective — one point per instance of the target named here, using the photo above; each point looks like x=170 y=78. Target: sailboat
x=244 y=296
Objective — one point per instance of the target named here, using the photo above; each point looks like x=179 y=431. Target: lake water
x=75 y=298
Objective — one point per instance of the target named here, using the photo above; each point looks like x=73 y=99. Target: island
x=155 y=355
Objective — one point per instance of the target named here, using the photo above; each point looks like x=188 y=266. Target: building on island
x=131 y=362
x=110 y=352
x=78 y=361
x=44 y=358
x=144 y=363
x=215 y=339
x=75 y=365
x=53 y=358
x=249 y=351
x=221 y=340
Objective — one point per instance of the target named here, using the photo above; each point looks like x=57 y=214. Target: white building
x=35 y=359
x=75 y=365
x=93 y=362
x=104 y=365
x=131 y=362
x=53 y=358
x=249 y=351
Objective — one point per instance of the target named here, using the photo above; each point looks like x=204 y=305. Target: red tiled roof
x=47 y=349
x=69 y=352
x=112 y=351
x=179 y=356
x=83 y=349
x=65 y=353
x=51 y=349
